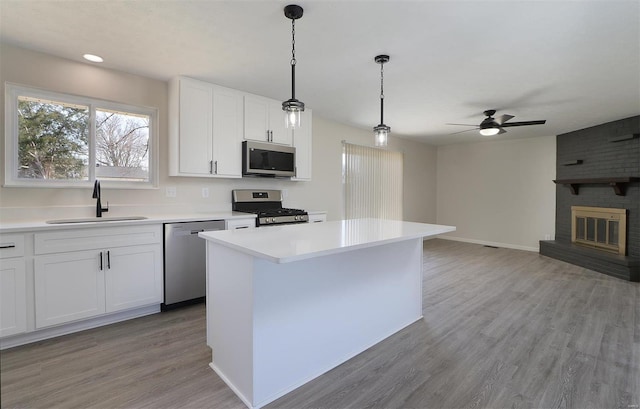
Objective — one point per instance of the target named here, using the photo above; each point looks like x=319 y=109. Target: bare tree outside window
x=122 y=145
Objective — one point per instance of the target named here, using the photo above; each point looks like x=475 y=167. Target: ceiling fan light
x=489 y=131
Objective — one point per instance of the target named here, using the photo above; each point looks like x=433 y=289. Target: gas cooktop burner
x=278 y=212
x=267 y=205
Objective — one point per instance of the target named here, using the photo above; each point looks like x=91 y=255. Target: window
x=372 y=180
x=58 y=140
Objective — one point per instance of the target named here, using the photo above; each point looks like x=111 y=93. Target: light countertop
x=287 y=243
x=40 y=225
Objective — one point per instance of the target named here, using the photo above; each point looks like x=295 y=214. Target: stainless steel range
x=267 y=205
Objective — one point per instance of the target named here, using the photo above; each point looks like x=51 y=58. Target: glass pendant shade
x=381 y=135
x=292 y=113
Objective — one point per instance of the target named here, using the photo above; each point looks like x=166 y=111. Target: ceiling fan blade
x=525 y=123
x=501 y=131
x=504 y=118
x=466 y=130
x=462 y=124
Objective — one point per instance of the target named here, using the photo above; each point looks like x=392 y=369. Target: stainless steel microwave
x=268 y=159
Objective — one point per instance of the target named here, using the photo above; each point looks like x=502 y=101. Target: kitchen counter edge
x=25 y=226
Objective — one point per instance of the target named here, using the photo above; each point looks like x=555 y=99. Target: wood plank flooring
x=502 y=329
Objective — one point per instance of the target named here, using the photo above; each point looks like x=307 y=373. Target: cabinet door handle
x=271 y=133
x=242 y=227
x=215 y=164
x=8 y=246
x=267 y=135
x=210 y=166
x=100 y=261
x=108 y=260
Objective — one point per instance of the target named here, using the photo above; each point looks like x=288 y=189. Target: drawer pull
x=8 y=246
x=100 y=261
x=109 y=260
x=242 y=227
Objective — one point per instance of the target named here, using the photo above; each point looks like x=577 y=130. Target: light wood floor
x=502 y=329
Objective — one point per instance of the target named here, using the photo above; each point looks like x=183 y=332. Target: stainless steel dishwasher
x=185 y=262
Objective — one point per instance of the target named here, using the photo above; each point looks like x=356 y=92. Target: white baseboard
x=64 y=329
x=491 y=243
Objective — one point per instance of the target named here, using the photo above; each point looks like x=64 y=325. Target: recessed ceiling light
x=93 y=58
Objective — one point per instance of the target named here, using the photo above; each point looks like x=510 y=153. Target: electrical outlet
x=205 y=192
x=171 y=191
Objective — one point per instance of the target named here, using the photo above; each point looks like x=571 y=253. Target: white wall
x=498 y=193
x=324 y=192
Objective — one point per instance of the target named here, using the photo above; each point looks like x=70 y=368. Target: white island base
x=277 y=321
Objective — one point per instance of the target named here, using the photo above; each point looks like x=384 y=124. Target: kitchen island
x=287 y=303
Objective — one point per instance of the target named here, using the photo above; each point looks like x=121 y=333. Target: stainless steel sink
x=96 y=219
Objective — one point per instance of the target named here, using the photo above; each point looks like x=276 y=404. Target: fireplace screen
x=599 y=227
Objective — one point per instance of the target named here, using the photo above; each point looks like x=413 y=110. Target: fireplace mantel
x=619 y=185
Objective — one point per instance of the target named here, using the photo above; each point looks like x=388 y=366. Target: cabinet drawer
x=98 y=238
x=235 y=224
x=11 y=245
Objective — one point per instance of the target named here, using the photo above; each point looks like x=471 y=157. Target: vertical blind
x=372 y=181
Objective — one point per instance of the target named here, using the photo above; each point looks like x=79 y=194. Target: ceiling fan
x=492 y=126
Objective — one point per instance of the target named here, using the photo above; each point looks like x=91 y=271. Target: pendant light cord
x=293 y=59
x=382 y=93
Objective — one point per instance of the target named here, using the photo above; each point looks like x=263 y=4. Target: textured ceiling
x=574 y=63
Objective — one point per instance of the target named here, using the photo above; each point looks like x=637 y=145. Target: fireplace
x=598 y=227
x=601 y=228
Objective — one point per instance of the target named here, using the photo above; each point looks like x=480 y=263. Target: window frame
x=11 y=179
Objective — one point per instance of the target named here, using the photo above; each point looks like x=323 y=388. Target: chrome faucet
x=96 y=195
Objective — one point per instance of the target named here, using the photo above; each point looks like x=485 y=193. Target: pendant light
x=292 y=107
x=381 y=132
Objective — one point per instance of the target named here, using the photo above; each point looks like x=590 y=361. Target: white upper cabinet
x=205 y=129
x=264 y=121
x=302 y=141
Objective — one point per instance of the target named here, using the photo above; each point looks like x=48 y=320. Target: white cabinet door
x=68 y=287
x=302 y=141
x=256 y=118
x=196 y=127
x=13 y=297
x=264 y=121
x=279 y=132
x=227 y=132
x=133 y=277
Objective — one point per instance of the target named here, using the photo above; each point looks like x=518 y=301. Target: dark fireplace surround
x=598 y=167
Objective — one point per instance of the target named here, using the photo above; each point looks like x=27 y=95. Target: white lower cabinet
x=317 y=217
x=96 y=271
x=131 y=277
x=235 y=224
x=13 y=302
x=68 y=287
